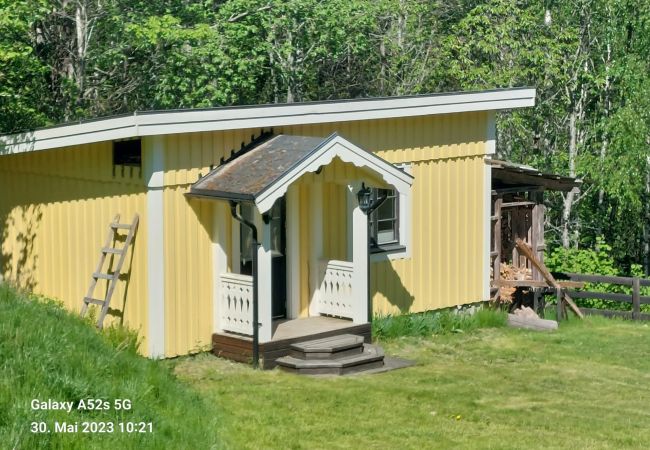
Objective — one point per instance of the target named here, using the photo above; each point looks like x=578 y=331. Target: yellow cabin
x=338 y=205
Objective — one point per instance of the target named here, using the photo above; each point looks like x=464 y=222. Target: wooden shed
x=518 y=211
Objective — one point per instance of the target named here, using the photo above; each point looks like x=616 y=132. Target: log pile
x=508 y=272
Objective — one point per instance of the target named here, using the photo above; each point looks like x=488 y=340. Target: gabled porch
x=293 y=232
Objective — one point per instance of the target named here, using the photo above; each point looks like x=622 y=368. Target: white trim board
x=155 y=247
x=231 y=118
x=490 y=149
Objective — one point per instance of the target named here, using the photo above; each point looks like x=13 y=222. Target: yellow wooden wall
x=446 y=153
x=55 y=207
x=74 y=194
x=188 y=231
x=447 y=263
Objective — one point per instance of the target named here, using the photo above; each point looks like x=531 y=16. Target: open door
x=278 y=222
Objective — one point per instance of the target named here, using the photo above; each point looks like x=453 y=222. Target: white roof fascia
x=231 y=118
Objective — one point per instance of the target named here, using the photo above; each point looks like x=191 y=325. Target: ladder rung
x=121 y=226
x=94 y=301
x=104 y=276
x=115 y=251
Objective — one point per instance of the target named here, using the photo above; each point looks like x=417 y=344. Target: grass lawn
x=585 y=386
x=47 y=353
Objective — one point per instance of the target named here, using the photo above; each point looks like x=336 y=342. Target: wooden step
x=94 y=301
x=121 y=226
x=104 y=276
x=328 y=348
x=372 y=357
x=114 y=251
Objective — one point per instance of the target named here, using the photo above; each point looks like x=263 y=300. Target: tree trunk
x=646 y=222
x=571 y=195
x=605 y=143
x=81 y=26
x=290 y=70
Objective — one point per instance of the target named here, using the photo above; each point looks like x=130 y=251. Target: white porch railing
x=335 y=293
x=236 y=305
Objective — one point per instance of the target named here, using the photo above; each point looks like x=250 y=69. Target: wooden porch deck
x=285 y=332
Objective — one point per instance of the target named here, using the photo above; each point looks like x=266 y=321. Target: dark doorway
x=277 y=218
x=277 y=222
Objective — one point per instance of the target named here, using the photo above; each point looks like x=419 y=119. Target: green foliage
x=589 y=61
x=47 y=353
x=590 y=261
x=598 y=261
x=432 y=322
x=122 y=339
x=22 y=73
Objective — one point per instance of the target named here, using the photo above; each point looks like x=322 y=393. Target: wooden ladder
x=109 y=249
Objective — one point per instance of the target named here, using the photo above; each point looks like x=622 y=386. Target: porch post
x=316 y=251
x=219 y=260
x=293 y=252
x=359 y=257
x=264 y=284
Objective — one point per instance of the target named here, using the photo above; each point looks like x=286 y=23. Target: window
x=390 y=224
x=384 y=221
x=127 y=153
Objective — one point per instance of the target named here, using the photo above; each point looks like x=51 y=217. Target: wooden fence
x=635 y=298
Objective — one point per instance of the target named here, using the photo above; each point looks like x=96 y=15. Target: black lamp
x=364 y=197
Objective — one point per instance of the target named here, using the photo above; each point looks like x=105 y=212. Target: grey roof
x=507 y=173
x=250 y=174
x=253 y=106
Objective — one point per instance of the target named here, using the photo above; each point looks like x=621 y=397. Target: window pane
x=387 y=209
x=385 y=237
x=384 y=219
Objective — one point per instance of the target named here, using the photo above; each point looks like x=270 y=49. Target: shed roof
x=507 y=173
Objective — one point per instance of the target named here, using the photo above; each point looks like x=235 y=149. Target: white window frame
x=405 y=224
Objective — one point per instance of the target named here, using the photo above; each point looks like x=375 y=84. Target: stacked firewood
x=508 y=272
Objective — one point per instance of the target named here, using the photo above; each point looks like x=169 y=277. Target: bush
x=598 y=261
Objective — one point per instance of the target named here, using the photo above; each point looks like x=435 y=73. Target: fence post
x=558 y=307
x=636 y=298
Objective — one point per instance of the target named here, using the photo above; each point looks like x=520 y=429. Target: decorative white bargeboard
x=236 y=305
x=335 y=293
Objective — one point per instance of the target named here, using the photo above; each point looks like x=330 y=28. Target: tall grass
x=435 y=322
x=47 y=353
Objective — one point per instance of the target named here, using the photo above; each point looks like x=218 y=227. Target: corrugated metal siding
x=55 y=208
